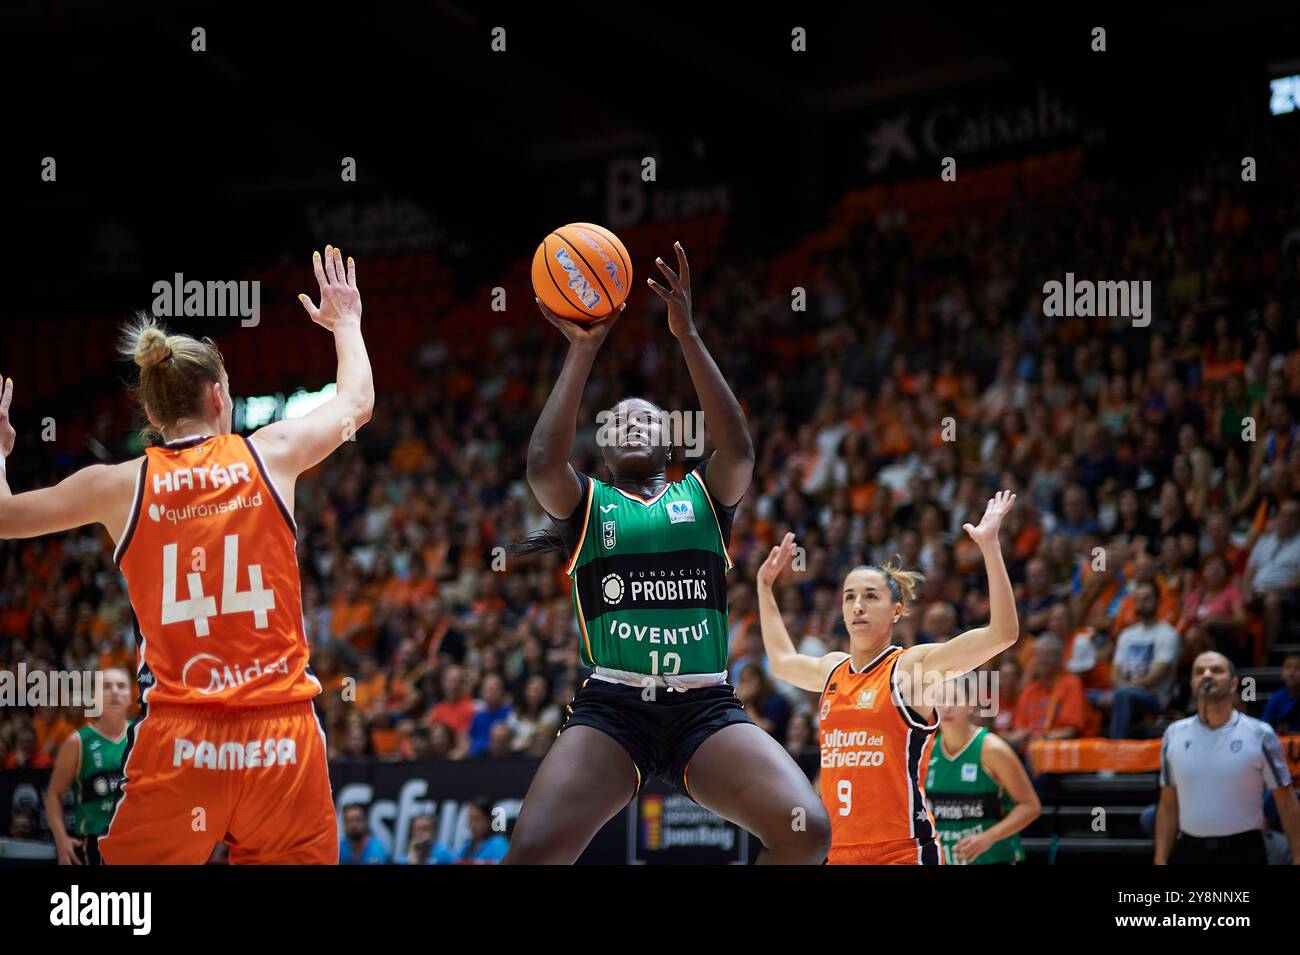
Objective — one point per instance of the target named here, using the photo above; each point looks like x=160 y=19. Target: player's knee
x=806 y=833
x=819 y=832
x=537 y=848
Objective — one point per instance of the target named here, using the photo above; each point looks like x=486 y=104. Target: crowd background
x=884 y=416
x=1157 y=466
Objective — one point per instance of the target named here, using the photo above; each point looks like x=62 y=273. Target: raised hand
x=777 y=561
x=986 y=534
x=591 y=334
x=7 y=434
x=678 y=297
x=339 y=299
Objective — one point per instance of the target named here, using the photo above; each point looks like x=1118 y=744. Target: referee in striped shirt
x=1215 y=768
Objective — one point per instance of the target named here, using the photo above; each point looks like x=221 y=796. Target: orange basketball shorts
x=901 y=852
x=256 y=778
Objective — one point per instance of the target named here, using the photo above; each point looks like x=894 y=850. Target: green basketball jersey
x=966 y=800
x=98 y=781
x=649 y=577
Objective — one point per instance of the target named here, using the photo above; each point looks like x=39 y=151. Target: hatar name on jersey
x=186 y=479
x=681 y=512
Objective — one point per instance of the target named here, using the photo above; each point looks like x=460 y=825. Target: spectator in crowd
x=1282 y=712
x=482 y=845
x=799 y=736
x=938 y=623
x=1273 y=571
x=359 y=846
x=1039 y=597
x=1143 y=668
x=1214 y=614
x=456 y=709
x=765 y=706
x=535 y=715
x=26 y=754
x=1052 y=704
x=1216 y=767
x=22 y=825
x=501 y=742
x=1009 y=683
x=420 y=847
x=492 y=709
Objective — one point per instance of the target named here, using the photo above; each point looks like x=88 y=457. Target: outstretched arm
x=550 y=474
x=799 y=669
x=99 y=494
x=732 y=464
x=290 y=447
x=970 y=650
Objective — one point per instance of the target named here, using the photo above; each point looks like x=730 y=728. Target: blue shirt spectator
x=493 y=709
x=358 y=846
x=1282 y=712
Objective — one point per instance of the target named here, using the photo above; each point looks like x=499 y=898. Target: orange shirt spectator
x=457 y=714
x=1169 y=611
x=352 y=617
x=1046 y=708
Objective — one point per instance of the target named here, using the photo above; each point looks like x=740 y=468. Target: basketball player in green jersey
x=648 y=560
x=91 y=761
x=978 y=791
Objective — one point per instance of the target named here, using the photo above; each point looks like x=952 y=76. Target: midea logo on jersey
x=612 y=588
x=191 y=511
x=221 y=676
x=681 y=512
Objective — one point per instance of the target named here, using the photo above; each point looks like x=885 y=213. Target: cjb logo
x=609 y=537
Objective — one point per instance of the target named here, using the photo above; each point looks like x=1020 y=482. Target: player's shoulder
x=110 y=479
x=1255 y=727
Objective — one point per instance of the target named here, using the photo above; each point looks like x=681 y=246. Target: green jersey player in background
x=978 y=791
x=648 y=561
x=90 y=764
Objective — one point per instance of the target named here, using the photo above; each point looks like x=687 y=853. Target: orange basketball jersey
x=211 y=565
x=874 y=756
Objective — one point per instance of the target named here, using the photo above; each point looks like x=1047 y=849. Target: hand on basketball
x=7 y=434
x=678 y=296
x=340 y=302
x=986 y=535
x=591 y=334
x=777 y=561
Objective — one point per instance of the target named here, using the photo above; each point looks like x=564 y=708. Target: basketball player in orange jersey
x=228 y=746
x=877 y=715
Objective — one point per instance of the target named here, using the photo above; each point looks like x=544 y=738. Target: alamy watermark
x=667 y=428
x=176 y=298
x=1084 y=298
x=79 y=688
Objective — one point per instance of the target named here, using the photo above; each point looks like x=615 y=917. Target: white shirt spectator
x=1222 y=775
x=1143 y=645
x=1276 y=562
x=1083 y=654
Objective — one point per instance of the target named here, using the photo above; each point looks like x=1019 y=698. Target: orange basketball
x=582 y=272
